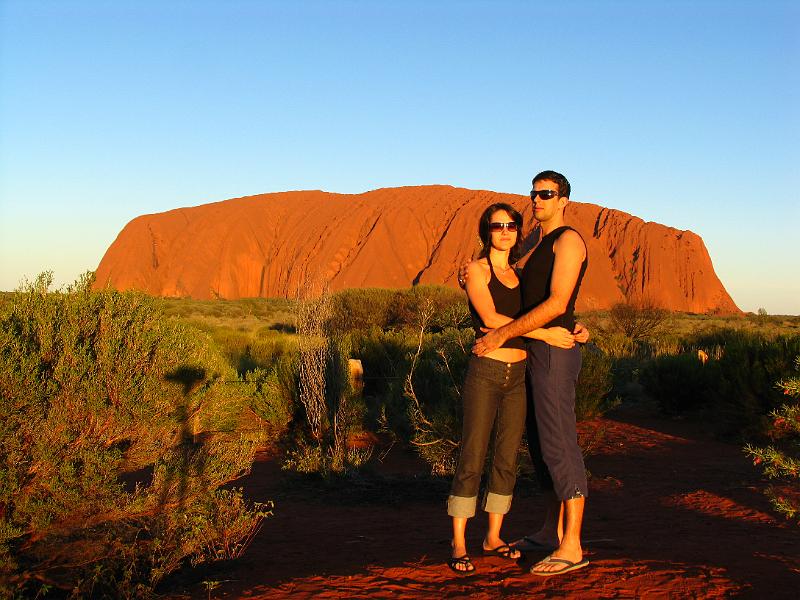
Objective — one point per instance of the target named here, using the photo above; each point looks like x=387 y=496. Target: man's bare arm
x=570 y=252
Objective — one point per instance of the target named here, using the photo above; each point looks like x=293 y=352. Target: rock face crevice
x=273 y=244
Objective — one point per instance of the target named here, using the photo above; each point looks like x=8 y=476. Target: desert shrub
x=638 y=320
x=319 y=432
x=734 y=388
x=678 y=383
x=447 y=308
x=235 y=347
x=594 y=384
x=781 y=460
x=433 y=389
x=664 y=345
x=98 y=392
x=329 y=407
x=385 y=358
x=264 y=352
x=362 y=309
x=274 y=393
x=613 y=343
x=246 y=350
x=220 y=308
x=743 y=372
x=355 y=309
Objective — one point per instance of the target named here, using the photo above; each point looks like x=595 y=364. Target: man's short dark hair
x=557 y=178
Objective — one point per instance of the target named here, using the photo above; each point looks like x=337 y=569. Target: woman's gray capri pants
x=493 y=395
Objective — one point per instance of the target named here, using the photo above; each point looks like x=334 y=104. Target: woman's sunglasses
x=497 y=226
x=543 y=194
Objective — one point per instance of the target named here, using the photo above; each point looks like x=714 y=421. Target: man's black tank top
x=507 y=301
x=536 y=277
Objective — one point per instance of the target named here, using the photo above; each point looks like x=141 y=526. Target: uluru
x=268 y=245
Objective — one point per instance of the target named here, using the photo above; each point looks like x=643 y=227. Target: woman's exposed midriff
x=510 y=355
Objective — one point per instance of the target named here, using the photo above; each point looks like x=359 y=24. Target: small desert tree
x=329 y=402
x=781 y=461
x=638 y=320
x=436 y=434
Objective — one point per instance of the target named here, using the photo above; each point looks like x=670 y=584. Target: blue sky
x=684 y=113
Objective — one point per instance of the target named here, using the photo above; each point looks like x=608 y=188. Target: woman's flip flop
x=503 y=551
x=468 y=568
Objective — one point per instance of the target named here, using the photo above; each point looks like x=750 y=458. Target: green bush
x=317 y=440
x=355 y=309
x=329 y=406
x=365 y=308
x=448 y=308
x=594 y=384
x=781 y=460
x=678 y=383
x=638 y=320
x=275 y=392
x=734 y=389
x=433 y=389
x=384 y=356
x=118 y=427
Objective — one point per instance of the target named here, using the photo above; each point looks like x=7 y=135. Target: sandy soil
x=671 y=514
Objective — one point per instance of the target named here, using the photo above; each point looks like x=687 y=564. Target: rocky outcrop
x=271 y=244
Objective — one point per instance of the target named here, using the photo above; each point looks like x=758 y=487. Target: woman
x=494 y=388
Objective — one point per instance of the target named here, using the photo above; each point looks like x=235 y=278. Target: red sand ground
x=672 y=514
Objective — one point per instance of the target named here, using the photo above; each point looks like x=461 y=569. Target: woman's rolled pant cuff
x=497 y=503
x=461 y=507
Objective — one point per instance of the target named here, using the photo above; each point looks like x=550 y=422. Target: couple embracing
x=522 y=376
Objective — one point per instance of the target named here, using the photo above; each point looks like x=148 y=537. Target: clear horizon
x=682 y=113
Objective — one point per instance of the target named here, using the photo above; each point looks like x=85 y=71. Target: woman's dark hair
x=486 y=237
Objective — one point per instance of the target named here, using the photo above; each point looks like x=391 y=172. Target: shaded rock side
x=272 y=244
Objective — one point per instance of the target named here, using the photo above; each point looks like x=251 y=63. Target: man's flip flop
x=528 y=544
x=570 y=566
x=504 y=551
x=468 y=569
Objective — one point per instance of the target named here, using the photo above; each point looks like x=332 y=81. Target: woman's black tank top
x=507 y=301
x=536 y=276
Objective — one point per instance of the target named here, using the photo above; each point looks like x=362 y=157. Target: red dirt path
x=671 y=514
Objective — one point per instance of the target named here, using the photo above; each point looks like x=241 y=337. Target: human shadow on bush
x=190 y=460
x=102 y=391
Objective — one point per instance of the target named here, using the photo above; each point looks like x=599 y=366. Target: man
x=550 y=282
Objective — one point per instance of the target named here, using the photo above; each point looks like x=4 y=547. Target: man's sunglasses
x=497 y=226
x=543 y=194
